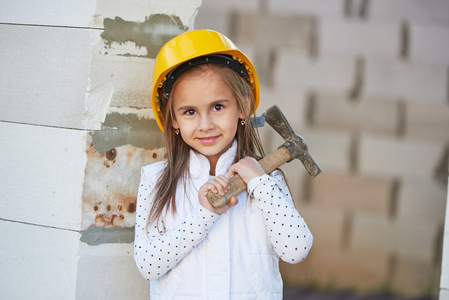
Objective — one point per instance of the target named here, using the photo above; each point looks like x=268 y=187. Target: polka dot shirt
x=287 y=230
x=160 y=250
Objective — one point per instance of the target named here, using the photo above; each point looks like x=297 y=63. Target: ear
x=246 y=108
x=175 y=124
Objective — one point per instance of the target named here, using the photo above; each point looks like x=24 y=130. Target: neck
x=213 y=164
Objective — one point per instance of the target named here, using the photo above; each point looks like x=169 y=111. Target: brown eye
x=218 y=107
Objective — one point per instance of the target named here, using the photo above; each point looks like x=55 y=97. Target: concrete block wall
x=75 y=127
x=366 y=83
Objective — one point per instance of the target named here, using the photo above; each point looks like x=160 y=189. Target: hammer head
x=295 y=144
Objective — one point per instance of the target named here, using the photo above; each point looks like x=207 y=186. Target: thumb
x=232 y=170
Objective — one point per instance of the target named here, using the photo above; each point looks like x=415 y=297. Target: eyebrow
x=185 y=107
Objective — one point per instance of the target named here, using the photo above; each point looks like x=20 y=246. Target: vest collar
x=200 y=167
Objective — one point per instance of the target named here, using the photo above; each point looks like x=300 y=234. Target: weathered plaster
x=97 y=235
x=150 y=34
x=138 y=10
x=111 y=184
x=118 y=111
x=120 y=129
x=98 y=100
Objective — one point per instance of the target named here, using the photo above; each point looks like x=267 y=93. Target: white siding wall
x=59 y=80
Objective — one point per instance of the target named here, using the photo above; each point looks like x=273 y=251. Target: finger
x=223 y=182
x=222 y=179
x=233 y=201
x=219 y=186
x=209 y=186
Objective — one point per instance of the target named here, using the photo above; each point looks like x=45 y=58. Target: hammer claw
x=298 y=148
x=309 y=163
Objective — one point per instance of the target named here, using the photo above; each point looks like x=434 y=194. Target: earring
x=177 y=131
x=242 y=122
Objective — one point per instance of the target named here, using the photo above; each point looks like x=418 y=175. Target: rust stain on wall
x=111 y=184
x=151 y=34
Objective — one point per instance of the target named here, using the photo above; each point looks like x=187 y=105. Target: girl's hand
x=218 y=184
x=247 y=168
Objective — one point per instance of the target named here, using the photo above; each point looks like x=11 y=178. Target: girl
x=204 y=91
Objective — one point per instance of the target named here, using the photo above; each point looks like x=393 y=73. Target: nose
x=206 y=123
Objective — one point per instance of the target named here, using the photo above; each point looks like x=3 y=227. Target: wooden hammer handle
x=237 y=185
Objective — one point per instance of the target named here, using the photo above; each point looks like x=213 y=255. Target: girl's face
x=207 y=113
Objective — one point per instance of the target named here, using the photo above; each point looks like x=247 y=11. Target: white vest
x=236 y=260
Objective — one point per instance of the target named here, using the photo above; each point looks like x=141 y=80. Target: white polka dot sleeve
x=158 y=251
x=287 y=230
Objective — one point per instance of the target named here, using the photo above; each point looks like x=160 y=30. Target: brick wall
x=366 y=83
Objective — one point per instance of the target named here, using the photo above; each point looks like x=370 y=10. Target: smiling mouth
x=208 y=140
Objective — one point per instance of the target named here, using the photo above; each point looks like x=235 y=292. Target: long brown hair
x=178 y=152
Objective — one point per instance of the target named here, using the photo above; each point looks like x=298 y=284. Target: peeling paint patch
x=151 y=34
x=97 y=105
x=95 y=235
x=122 y=129
x=111 y=184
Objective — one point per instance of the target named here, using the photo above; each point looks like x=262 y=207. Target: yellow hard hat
x=192 y=48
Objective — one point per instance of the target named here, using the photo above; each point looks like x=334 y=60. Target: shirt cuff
x=206 y=214
x=256 y=181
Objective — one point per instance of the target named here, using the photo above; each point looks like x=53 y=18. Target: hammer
x=294 y=147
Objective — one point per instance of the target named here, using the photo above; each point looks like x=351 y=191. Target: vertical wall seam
x=306 y=192
x=272 y=59
x=363 y=9
x=447 y=86
x=311 y=108
x=347 y=8
x=438 y=255
x=401 y=119
x=232 y=23
x=263 y=7
x=404 y=40
x=353 y=151
x=313 y=40
x=394 y=199
x=441 y=169
x=391 y=271
x=347 y=229
x=359 y=70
